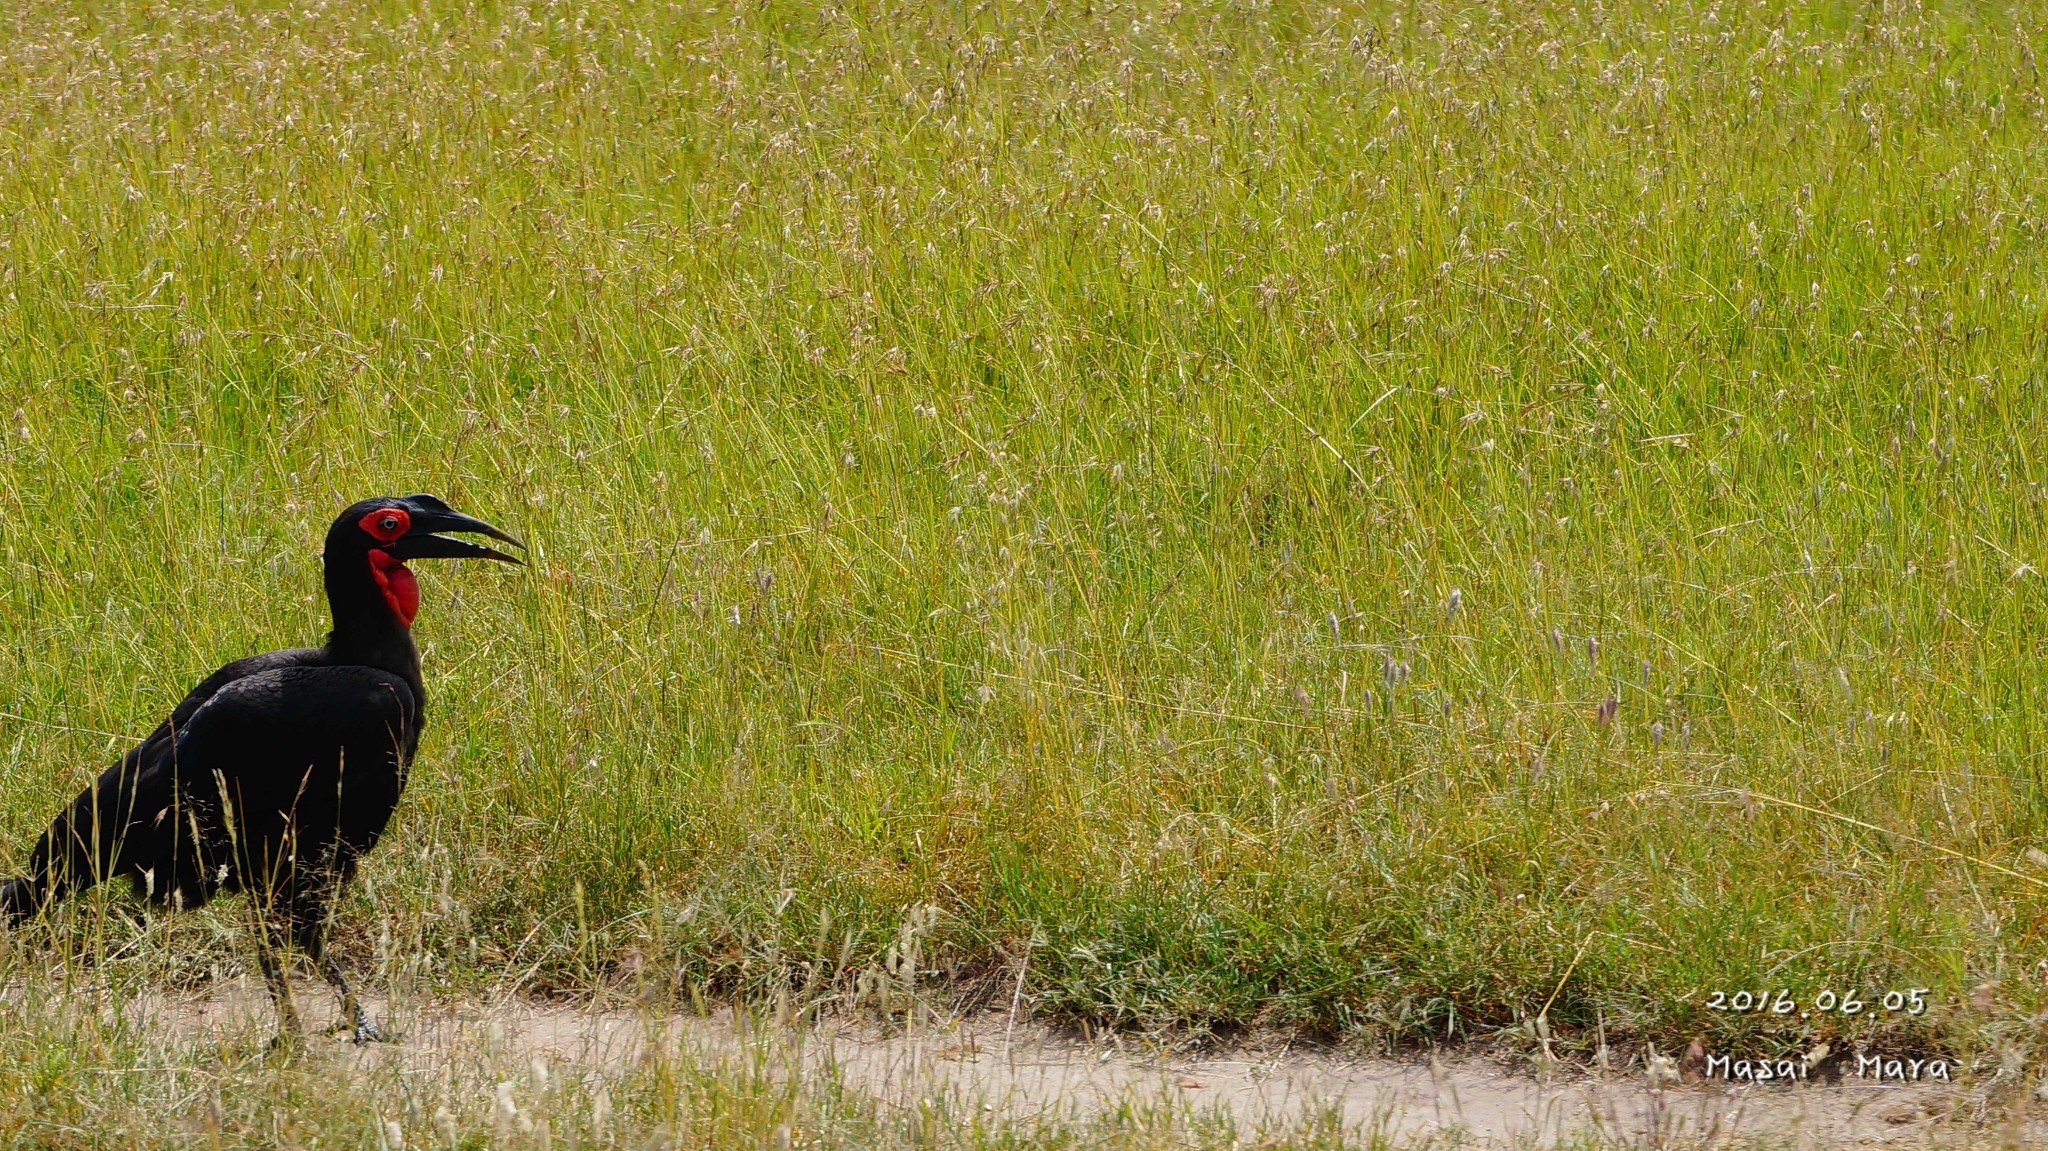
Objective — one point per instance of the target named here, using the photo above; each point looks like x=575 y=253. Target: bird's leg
x=310 y=934
x=267 y=940
x=366 y=1030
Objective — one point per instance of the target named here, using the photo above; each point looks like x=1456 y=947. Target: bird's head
x=376 y=537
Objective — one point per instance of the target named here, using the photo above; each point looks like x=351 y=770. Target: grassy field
x=1410 y=523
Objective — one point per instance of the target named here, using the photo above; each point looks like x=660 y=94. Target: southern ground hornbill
x=278 y=771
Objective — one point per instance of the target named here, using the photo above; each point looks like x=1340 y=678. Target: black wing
x=121 y=824
x=288 y=776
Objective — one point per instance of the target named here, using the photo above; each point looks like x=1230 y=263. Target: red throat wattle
x=401 y=589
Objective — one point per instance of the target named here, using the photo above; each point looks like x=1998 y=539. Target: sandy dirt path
x=1024 y=1072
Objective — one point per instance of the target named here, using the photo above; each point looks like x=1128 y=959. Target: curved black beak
x=430 y=515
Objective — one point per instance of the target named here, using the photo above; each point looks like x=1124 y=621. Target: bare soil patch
x=1024 y=1072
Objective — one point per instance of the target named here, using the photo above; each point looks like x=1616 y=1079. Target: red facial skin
x=401 y=590
x=386 y=524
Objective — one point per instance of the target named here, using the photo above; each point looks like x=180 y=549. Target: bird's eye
x=386 y=524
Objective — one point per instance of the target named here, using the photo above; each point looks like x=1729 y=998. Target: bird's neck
x=365 y=644
x=367 y=632
x=387 y=649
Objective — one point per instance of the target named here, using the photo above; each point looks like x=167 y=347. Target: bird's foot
x=363 y=1030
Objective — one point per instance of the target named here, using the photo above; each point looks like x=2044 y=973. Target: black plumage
x=279 y=771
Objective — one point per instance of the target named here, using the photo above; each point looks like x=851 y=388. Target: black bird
x=278 y=771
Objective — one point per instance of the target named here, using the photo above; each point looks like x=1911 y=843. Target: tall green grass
x=1409 y=521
